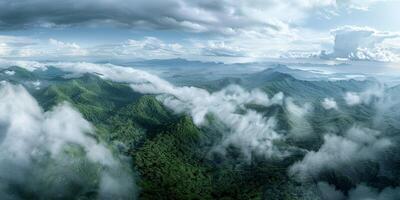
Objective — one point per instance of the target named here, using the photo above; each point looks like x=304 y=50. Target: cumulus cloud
x=261 y=42
x=365 y=97
x=220 y=48
x=352 y=98
x=330 y=103
x=342 y=153
x=24 y=47
x=67 y=49
x=13 y=46
x=47 y=154
x=9 y=72
x=364 y=43
x=148 y=47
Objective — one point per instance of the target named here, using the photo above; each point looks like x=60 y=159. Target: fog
x=48 y=154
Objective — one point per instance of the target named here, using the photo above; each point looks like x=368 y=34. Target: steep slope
x=272 y=82
x=95 y=98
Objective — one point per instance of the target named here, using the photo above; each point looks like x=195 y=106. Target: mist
x=55 y=153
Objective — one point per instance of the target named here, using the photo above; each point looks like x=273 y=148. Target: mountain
x=175 y=62
x=172 y=158
x=272 y=81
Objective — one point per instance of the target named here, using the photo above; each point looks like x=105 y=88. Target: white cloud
x=28 y=65
x=36 y=84
x=251 y=29
x=358 y=4
x=365 y=97
x=342 y=153
x=151 y=47
x=250 y=130
x=269 y=28
x=220 y=48
x=364 y=43
x=26 y=47
x=30 y=139
x=297 y=114
x=260 y=43
x=4 y=49
x=330 y=103
x=9 y=72
x=352 y=98
x=16 y=46
x=66 y=49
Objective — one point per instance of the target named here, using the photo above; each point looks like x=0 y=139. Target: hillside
x=175 y=159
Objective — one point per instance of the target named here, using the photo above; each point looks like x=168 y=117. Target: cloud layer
x=360 y=192
x=49 y=154
x=364 y=43
x=270 y=28
x=342 y=153
x=247 y=129
x=222 y=16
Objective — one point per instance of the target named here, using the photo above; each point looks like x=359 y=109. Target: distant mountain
x=175 y=159
x=175 y=62
x=278 y=80
x=16 y=73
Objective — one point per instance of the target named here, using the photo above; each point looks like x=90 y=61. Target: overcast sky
x=243 y=30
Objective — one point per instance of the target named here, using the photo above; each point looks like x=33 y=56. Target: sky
x=220 y=30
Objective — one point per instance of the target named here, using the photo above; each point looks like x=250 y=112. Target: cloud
x=28 y=65
x=148 y=47
x=266 y=26
x=250 y=131
x=67 y=49
x=330 y=103
x=365 y=97
x=13 y=46
x=36 y=148
x=329 y=192
x=222 y=16
x=270 y=28
x=362 y=5
x=300 y=127
x=26 y=47
x=221 y=48
x=360 y=192
x=247 y=129
x=364 y=43
x=9 y=72
x=342 y=153
x=217 y=16
x=352 y=98
x=3 y=49
x=260 y=43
